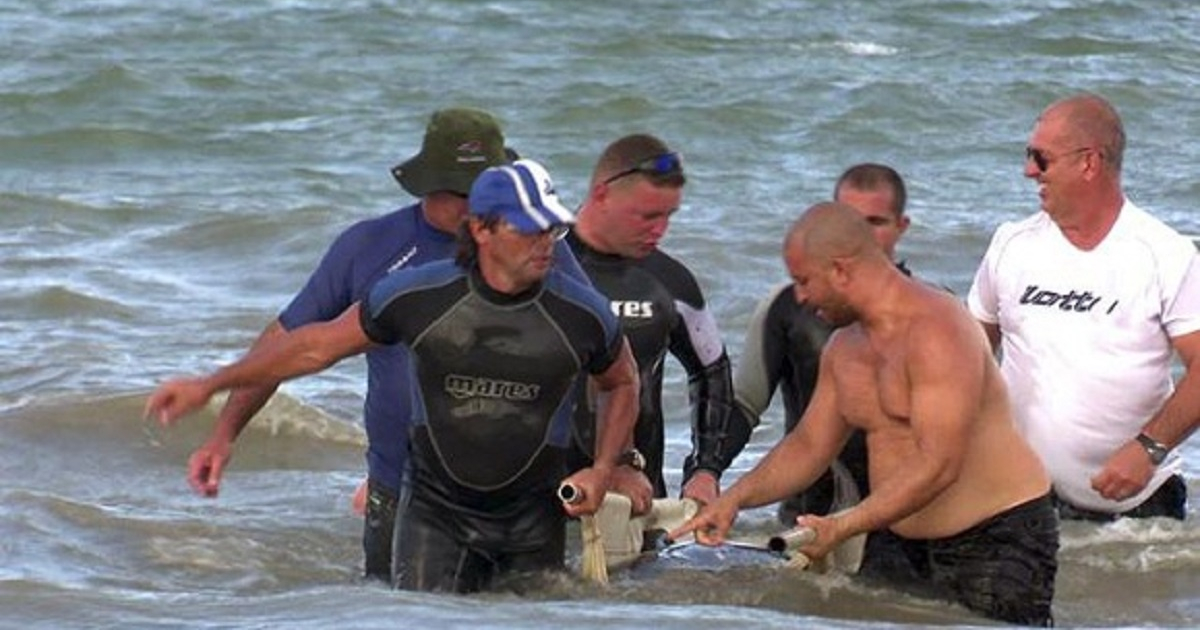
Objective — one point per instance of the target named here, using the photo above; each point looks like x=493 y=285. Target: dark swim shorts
x=1002 y=568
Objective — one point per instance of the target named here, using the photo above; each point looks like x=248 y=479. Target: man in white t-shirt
x=1086 y=301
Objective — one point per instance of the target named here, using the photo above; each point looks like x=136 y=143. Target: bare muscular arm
x=791 y=466
x=244 y=402
x=207 y=464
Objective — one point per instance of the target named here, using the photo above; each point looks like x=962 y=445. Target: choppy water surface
x=170 y=172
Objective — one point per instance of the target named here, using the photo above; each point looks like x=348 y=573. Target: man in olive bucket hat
x=459 y=144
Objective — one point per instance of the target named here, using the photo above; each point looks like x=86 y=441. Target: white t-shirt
x=1086 y=338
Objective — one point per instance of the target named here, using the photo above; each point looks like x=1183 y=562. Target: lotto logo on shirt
x=462 y=387
x=1070 y=301
x=632 y=309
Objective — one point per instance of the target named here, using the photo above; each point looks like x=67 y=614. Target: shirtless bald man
x=950 y=476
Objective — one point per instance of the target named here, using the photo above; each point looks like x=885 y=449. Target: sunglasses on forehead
x=658 y=166
x=1043 y=161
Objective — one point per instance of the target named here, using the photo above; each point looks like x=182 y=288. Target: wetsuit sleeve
x=614 y=339
x=761 y=366
x=406 y=302
x=696 y=343
x=759 y=371
x=718 y=434
x=371 y=315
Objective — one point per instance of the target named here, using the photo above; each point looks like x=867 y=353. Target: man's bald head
x=1089 y=120
x=832 y=230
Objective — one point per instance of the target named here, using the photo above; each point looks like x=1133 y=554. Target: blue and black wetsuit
x=496 y=380
x=358 y=258
x=662 y=309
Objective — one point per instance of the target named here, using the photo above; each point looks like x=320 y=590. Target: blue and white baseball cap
x=522 y=194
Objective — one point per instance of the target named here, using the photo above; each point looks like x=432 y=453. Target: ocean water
x=171 y=171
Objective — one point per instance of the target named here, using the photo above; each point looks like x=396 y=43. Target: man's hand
x=711 y=525
x=590 y=485
x=206 y=466
x=1125 y=474
x=358 y=502
x=829 y=534
x=636 y=485
x=177 y=398
x=703 y=487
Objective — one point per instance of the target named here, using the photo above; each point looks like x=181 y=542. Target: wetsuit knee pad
x=379 y=524
x=428 y=557
x=446 y=548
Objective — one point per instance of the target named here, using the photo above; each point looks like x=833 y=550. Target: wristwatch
x=1154 y=449
x=634 y=459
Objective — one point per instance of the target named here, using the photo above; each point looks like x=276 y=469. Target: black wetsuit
x=662 y=309
x=496 y=377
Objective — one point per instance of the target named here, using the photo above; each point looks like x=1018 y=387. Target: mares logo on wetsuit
x=632 y=309
x=461 y=387
x=1071 y=301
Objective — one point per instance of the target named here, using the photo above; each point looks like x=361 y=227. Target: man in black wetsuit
x=636 y=186
x=784 y=341
x=499 y=338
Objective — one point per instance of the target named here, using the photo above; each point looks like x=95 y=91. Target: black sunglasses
x=1043 y=161
x=661 y=165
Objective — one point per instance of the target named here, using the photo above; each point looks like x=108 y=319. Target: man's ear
x=840 y=270
x=477 y=230
x=599 y=192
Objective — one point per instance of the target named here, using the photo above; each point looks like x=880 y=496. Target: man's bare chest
x=871 y=383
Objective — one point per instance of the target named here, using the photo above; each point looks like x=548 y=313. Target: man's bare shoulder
x=843 y=338
x=940 y=321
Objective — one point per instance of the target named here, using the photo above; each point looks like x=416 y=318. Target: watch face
x=1157 y=452
x=634 y=459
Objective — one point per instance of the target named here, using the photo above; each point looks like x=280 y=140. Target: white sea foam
x=868 y=49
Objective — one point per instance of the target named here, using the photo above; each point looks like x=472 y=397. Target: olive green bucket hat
x=459 y=144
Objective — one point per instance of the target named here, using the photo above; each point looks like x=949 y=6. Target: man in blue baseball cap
x=459 y=144
x=499 y=337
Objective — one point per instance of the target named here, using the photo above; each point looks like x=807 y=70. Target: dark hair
x=871 y=176
x=627 y=152
x=466 y=254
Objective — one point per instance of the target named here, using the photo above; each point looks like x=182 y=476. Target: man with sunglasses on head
x=1086 y=301
x=635 y=188
x=498 y=338
x=459 y=143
